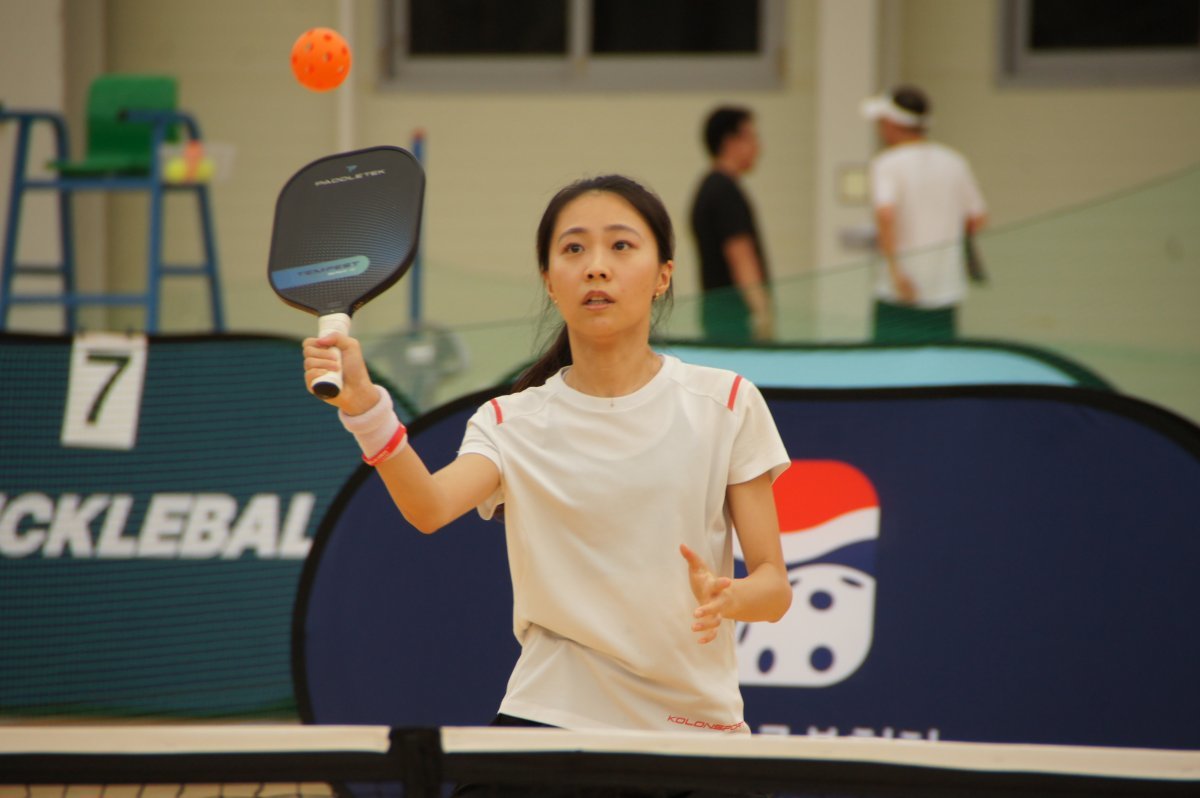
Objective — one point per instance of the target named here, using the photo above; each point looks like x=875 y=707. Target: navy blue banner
x=1001 y=564
x=397 y=628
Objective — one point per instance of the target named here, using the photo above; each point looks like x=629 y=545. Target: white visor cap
x=883 y=107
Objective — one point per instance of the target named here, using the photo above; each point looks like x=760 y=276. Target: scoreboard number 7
x=104 y=391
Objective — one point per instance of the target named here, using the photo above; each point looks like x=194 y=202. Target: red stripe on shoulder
x=737 y=383
x=499 y=415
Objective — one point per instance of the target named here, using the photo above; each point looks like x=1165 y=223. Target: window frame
x=579 y=69
x=1020 y=66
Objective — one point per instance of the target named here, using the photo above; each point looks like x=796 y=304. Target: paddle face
x=346 y=229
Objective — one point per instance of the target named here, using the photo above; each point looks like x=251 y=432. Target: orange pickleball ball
x=320 y=59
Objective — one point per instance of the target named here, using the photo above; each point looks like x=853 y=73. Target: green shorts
x=904 y=324
x=724 y=317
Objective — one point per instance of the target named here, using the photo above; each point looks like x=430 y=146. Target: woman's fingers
x=710 y=589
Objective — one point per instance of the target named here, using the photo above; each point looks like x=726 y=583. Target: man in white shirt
x=925 y=199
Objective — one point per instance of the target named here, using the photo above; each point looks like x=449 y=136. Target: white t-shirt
x=598 y=494
x=933 y=192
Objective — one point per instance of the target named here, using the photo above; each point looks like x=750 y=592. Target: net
x=250 y=789
x=1111 y=285
x=200 y=761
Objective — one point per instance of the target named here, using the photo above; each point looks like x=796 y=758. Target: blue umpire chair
x=129 y=117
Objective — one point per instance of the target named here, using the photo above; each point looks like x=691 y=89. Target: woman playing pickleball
x=622 y=474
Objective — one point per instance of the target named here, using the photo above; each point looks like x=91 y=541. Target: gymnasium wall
x=1034 y=150
x=495 y=158
x=1038 y=150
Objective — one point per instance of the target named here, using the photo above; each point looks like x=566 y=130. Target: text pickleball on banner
x=154 y=522
x=1002 y=564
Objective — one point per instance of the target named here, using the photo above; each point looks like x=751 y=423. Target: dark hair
x=912 y=99
x=648 y=206
x=723 y=123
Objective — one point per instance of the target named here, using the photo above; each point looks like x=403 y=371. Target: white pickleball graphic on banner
x=829 y=522
x=104 y=392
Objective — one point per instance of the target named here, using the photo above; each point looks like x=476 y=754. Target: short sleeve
x=732 y=216
x=973 y=197
x=884 y=188
x=480 y=438
x=758 y=447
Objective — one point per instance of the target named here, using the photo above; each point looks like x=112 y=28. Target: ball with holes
x=321 y=59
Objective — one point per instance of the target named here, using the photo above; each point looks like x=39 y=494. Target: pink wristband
x=378 y=431
x=394 y=446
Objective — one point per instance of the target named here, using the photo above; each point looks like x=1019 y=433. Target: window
x=674 y=26
x=584 y=44
x=490 y=27
x=1062 y=42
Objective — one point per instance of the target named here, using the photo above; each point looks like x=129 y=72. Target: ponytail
x=556 y=356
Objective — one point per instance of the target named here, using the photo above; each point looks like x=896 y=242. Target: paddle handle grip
x=329 y=385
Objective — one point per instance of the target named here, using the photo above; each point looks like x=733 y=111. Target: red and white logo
x=829 y=522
